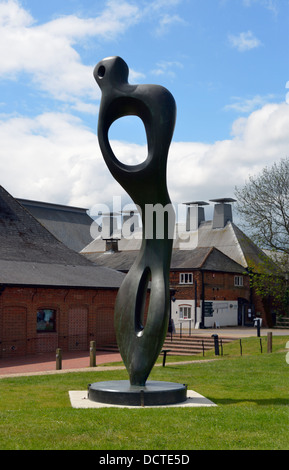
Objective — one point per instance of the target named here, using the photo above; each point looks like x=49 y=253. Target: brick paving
x=47 y=362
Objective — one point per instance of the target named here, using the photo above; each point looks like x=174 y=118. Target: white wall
x=175 y=309
x=225 y=314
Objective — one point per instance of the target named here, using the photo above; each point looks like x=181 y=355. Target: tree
x=263 y=204
x=270 y=282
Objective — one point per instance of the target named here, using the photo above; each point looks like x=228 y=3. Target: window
x=186 y=278
x=238 y=281
x=185 y=312
x=46 y=320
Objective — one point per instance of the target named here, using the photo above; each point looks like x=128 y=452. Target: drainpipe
x=196 y=298
x=203 y=301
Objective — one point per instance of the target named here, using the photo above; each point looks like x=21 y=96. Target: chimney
x=111 y=245
x=222 y=212
x=195 y=214
x=109 y=225
x=130 y=222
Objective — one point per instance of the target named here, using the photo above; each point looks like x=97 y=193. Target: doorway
x=246 y=312
x=77 y=329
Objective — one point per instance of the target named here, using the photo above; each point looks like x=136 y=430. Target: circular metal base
x=153 y=393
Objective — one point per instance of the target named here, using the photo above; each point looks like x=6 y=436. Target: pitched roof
x=30 y=254
x=27 y=273
x=71 y=225
x=205 y=258
x=229 y=240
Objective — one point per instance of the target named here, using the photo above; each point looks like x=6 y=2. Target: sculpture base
x=153 y=393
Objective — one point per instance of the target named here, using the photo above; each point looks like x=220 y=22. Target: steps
x=191 y=345
x=184 y=346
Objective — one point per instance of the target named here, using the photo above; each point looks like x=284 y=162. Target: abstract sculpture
x=140 y=344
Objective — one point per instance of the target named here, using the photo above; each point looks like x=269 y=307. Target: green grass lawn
x=251 y=392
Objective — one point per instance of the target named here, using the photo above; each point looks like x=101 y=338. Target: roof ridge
x=207 y=255
x=24 y=238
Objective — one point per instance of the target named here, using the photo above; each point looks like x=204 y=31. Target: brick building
x=209 y=280
x=208 y=289
x=50 y=296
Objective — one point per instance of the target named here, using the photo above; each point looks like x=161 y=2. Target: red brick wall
x=217 y=286
x=220 y=286
x=82 y=315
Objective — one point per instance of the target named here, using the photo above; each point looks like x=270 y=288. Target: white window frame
x=186 y=278
x=185 y=312
x=238 y=281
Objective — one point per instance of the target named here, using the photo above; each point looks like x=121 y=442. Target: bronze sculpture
x=141 y=344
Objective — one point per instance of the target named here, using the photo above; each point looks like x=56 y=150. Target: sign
x=208 y=309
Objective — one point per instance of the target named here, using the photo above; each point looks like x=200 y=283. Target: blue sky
x=225 y=61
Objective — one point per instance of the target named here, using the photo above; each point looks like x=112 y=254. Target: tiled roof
x=30 y=254
x=70 y=225
x=229 y=240
x=27 y=273
x=207 y=259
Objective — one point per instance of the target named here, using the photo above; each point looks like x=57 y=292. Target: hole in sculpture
x=101 y=71
x=127 y=138
x=142 y=301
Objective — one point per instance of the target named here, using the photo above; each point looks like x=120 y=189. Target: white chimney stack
x=222 y=212
x=195 y=214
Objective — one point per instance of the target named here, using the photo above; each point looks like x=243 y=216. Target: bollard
x=165 y=351
x=58 y=359
x=92 y=353
x=258 y=324
x=269 y=342
x=216 y=344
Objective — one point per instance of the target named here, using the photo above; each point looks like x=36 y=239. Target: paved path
x=47 y=363
x=79 y=360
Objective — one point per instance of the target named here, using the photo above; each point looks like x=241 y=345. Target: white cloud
x=247 y=105
x=244 y=41
x=13 y=15
x=54 y=158
x=114 y=20
x=46 y=51
x=197 y=171
x=166 y=21
x=271 y=5
x=51 y=158
x=167 y=68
